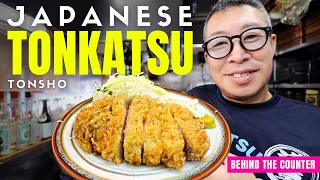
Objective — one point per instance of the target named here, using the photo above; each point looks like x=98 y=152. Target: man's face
x=255 y=67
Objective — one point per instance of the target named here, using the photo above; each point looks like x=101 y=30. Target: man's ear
x=274 y=42
x=206 y=57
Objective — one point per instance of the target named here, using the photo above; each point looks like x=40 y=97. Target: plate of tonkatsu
x=132 y=128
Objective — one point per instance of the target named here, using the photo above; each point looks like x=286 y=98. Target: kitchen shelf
x=300 y=46
x=196 y=48
x=198 y=17
x=288 y=86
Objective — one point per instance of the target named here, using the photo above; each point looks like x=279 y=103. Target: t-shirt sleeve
x=193 y=92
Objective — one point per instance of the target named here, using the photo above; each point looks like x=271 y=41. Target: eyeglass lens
x=252 y=39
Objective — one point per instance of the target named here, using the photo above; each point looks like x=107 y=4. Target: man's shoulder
x=299 y=105
x=206 y=93
x=203 y=89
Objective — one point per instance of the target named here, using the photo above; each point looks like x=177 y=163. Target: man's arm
x=221 y=173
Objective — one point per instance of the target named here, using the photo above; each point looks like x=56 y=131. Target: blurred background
x=296 y=72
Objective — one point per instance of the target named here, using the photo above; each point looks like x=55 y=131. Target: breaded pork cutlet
x=98 y=125
x=147 y=133
x=172 y=139
x=112 y=141
x=196 y=139
x=91 y=123
x=80 y=128
x=134 y=130
x=153 y=146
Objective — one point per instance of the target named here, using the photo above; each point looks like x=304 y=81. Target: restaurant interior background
x=296 y=72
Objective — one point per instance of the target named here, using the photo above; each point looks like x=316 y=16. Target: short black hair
x=222 y=5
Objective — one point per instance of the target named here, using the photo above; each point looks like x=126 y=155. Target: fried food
x=196 y=139
x=134 y=130
x=172 y=139
x=99 y=128
x=147 y=132
x=91 y=123
x=112 y=141
x=153 y=146
x=98 y=124
x=81 y=131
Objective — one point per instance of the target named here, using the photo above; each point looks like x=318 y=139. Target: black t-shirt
x=277 y=127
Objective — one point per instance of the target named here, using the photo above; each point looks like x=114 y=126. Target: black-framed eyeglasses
x=251 y=39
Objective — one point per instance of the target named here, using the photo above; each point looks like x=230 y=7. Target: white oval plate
x=82 y=165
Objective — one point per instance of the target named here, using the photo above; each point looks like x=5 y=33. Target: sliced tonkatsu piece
x=134 y=130
x=91 y=123
x=80 y=129
x=98 y=124
x=153 y=146
x=111 y=143
x=172 y=139
x=196 y=138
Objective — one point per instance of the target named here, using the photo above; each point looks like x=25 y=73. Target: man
x=239 y=49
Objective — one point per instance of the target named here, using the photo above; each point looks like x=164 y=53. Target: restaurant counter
x=34 y=162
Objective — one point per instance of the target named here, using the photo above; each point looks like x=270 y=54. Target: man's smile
x=242 y=77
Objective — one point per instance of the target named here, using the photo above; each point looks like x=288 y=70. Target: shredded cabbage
x=133 y=85
x=128 y=87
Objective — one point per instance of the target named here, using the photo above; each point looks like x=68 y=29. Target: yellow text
x=67 y=53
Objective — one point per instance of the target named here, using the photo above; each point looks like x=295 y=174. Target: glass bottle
x=54 y=109
x=70 y=103
x=194 y=6
x=8 y=138
x=45 y=117
x=13 y=128
x=64 y=104
x=23 y=127
x=59 y=109
x=33 y=119
x=45 y=121
x=4 y=131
